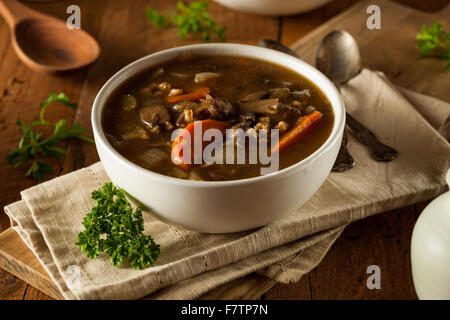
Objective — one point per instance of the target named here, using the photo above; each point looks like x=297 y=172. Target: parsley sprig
x=115 y=228
x=34 y=148
x=191 y=18
x=434 y=41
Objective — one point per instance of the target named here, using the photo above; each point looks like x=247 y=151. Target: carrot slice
x=298 y=132
x=198 y=93
x=178 y=143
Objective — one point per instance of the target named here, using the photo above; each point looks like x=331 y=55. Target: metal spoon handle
x=276 y=45
x=344 y=160
x=380 y=151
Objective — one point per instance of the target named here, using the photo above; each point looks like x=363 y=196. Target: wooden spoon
x=45 y=43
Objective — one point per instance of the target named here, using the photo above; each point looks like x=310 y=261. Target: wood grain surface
x=124 y=35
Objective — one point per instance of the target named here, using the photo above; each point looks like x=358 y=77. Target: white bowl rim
x=101 y=99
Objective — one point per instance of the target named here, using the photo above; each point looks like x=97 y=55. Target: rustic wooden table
x=125 y=35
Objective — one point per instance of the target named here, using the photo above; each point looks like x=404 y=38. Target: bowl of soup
x=218 y=137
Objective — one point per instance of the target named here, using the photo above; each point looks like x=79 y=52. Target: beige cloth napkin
x=48 y=218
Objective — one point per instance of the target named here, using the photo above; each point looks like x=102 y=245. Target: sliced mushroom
x=155 y=114
x=267 y=106
x=205 y=76
x=259 y=95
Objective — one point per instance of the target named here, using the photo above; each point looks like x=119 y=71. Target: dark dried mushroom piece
x=286 y=113
x=224 y=108
x=215 y=108
x=154 y=115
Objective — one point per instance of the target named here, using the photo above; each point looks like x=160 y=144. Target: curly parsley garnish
x=434 y=41
x=191 y=18
x=33 y=147
x=115 y=228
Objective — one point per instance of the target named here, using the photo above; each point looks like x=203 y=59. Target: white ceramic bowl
x=221 y=206
x=273 y=7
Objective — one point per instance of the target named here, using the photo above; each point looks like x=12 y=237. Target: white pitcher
x=430 y=249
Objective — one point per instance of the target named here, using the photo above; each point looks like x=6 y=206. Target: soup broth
x=219 y=92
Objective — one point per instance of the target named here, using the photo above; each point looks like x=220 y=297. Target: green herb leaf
x=434 y=41
x=58 y=97
x=190 y=19
x=32 y=145
x=115 y=228
x=158 y=20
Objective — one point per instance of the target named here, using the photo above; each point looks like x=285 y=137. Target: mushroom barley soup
x=223 y=93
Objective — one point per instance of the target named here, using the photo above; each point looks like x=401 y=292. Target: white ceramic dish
x=273 y=7
x=221 y=206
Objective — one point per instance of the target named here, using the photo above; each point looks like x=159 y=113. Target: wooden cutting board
x=390 y=49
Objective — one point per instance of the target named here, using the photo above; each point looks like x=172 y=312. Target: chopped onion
x=153 y=156
x=205 y=76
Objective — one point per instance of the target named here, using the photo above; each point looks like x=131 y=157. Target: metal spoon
x=338 y=58
x=344 y=160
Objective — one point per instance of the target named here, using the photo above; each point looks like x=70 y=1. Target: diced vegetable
x=279 y=92
x=153 y=156
x=293 y=136
x=303 y=93
x=138 y=133
x=128 y=102
x=194 y=175
x=157 y=73
x=186 y=117
x=175 y=92
x=198 y=93
x=268 y=106
x=180 y=75
x=310 y=109
x=178 y=173
x=178 y=143
x=202 y=77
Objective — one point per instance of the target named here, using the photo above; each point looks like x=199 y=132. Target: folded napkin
x=48 y=218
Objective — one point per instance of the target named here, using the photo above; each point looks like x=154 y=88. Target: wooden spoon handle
x=14 y=12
